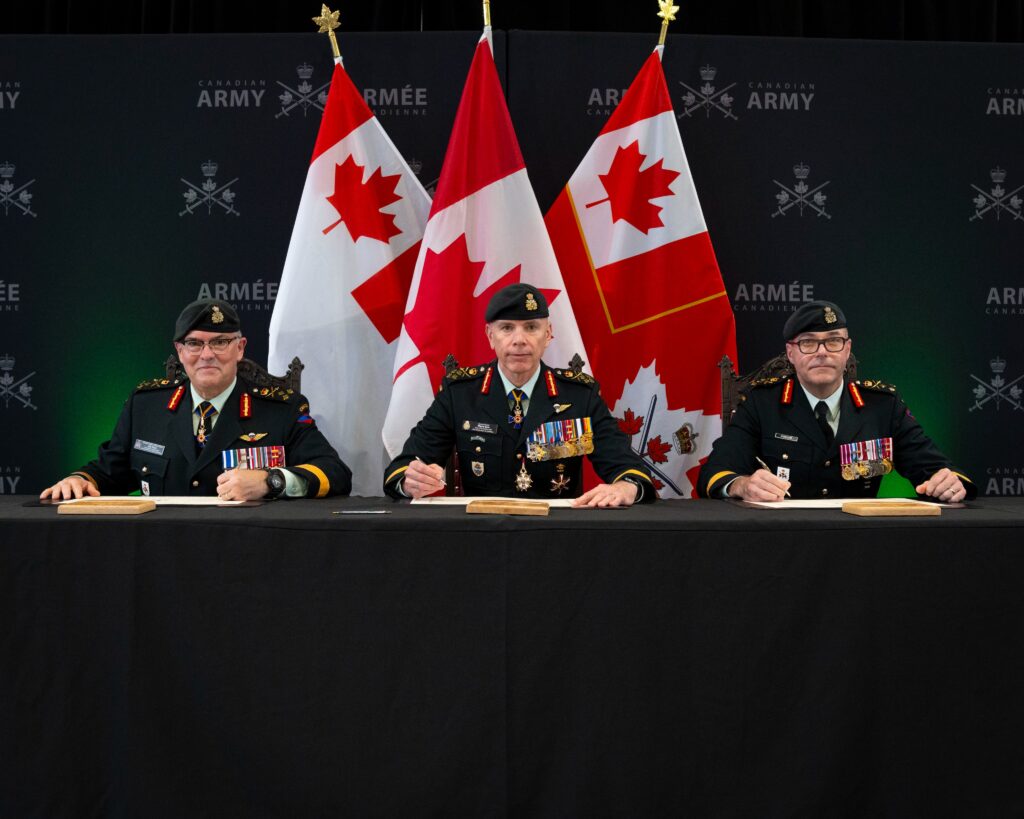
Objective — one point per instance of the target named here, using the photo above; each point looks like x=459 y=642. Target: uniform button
x=145 y=469
x=519 y=455
x=828 y=463
x=824 y=491
x=785 y=457
x=195 y=483
x=477 y=449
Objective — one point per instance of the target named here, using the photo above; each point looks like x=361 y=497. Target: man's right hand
x=423 y=479
x=73 y=486
x=761 y=486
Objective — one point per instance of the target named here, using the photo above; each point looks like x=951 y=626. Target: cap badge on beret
x=216 y=316
x=531 y=302
x=830 y=315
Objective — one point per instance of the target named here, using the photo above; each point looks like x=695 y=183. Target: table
x=685 y=658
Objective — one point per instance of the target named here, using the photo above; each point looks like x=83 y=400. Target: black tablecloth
x=686 y=658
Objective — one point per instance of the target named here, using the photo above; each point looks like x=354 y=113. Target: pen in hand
x=441 y=481
x=765 y=467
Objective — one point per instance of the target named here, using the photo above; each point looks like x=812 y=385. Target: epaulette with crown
x=767 y=381
x=465 y=373
x=577 y=377
x=876 y=386
x=156 y=384
x=274 y=393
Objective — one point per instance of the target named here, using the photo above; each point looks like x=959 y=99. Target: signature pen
x=765 y=466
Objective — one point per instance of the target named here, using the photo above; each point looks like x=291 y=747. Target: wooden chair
x=734 y=386
x=251 y=372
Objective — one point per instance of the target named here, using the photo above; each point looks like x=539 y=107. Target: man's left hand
x=242 y=484
x=944 y=486
x=620 y=493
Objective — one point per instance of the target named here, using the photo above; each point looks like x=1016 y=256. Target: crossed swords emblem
x=305 y=95
x=707 y=98
x=19 y=198
x=802 y=197
x=641 y=450
x=997 y=391
x=8 y=386
x=207 y=195
x=996 y=200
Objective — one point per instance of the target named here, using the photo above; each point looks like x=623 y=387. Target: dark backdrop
x=991 y=21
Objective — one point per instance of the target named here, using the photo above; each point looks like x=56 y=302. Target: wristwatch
x=275 y=483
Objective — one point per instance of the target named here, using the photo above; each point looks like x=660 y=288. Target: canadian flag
x=633 y=247
x=346 y=278
x=485 y=232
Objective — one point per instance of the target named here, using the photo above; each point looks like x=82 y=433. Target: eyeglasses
x=809 y=346
x=194 y=346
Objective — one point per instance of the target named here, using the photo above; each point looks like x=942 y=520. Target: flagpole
x=667 y=15
x=328 y=21
x=487 y=13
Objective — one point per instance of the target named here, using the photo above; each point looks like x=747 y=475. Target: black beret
x=517 y=302
x=813 y=317
x=210 y=315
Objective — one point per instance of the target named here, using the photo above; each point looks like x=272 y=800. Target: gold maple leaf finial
x=328 y=21
x=667 y=14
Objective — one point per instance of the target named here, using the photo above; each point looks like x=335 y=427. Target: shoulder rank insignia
x=274 y=393
x=576 y=377
x=875 y=386
x=464 y=373
x=155 y=384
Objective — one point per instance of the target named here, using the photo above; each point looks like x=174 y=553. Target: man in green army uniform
x=817 y=435
x=520 y=428
x=185 y=436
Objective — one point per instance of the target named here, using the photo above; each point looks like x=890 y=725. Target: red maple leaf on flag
x=359 y=203
x=629 y=423
x=656 y=450
x=447 y=317
x=631 y=190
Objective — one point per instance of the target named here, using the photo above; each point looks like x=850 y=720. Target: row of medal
x=866 y=459
x=255 y=457
x=567 y=438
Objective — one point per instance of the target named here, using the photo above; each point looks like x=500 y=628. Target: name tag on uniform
x=147 y=446
x=783 y=437
x=481 y=426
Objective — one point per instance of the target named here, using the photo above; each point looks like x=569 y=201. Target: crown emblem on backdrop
x=6 y=362
x=305 y=71
x=6 y=170
x=801 y=171
x=998 y=175
x=708 y=72
x=209 y=168
x=998 y=365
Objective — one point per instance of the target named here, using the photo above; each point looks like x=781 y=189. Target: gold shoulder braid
x=575 y=377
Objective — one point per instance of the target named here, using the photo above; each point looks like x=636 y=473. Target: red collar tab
x=244 y=405
x=549 y=378
x=176 y=397
x=485 y=388
x=787 y=392
x=855 y=396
